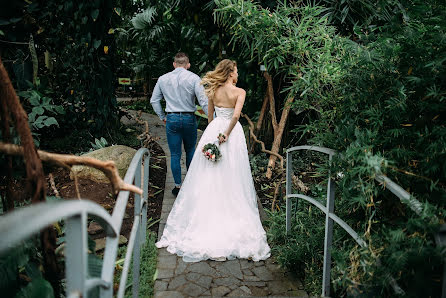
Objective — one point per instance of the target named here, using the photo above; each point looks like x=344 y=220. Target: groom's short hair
x=181 y=59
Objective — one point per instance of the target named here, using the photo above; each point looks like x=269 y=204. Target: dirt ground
x=101 y=193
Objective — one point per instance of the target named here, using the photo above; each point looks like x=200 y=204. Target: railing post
x=328 y=236
x=137 y=247
x=145 y=198
x=289 y=171
x=76 y=254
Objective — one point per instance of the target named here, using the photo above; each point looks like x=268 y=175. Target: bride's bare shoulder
x=239 y=91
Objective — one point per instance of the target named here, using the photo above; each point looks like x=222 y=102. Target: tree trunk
x=34 y=173
x=278 y=136
x=277 y=127
x=260 y=120
x=7 y=199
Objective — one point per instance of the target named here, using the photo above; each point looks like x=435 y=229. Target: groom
x=179 y=88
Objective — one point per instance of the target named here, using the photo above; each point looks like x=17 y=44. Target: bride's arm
x=237 y=111
x=210 y=110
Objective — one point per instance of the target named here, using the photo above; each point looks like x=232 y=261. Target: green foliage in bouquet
x=211 y=152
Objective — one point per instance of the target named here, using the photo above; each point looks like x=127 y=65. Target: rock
x=160 y=286
x=121 y=155
x=238 y=293
x=100 y=243
x=231 y=268
x=202 y=268
x=204 y=281
x=94 y=228
x=220 y=291
x=263 y=273
x=245 y=289
x=180 y=267
x=168 y=262
x=191 y=289
x=226 y=281
x=193 y=276
x=177 y=282
x=258 y=291
x=169 y=294
x=164 y=273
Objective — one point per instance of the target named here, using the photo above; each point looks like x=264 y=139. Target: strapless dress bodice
x=225 y=113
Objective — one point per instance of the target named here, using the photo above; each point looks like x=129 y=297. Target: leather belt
x=180 y=113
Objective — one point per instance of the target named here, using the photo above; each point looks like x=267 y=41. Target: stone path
x=235 y=278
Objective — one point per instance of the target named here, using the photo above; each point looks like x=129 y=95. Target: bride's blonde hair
x=216 y=78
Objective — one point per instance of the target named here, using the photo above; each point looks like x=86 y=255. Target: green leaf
x=37 y=288
x=38 y=110
x=95 y=14
x=50 y=121
x=94 y=265
x=96 y=43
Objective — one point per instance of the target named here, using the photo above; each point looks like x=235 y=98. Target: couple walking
x=215 y=215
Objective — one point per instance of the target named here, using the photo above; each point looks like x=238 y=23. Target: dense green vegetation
x=367 y=78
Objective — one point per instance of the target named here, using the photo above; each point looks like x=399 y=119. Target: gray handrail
x=14 y=229
x=330 y=216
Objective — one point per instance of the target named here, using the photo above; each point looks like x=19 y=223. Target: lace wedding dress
x=215 y=214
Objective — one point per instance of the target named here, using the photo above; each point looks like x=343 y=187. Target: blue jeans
x=180 y=129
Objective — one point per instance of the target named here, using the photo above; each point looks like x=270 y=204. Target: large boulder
x=121 y=155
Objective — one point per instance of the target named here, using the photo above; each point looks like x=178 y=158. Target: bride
x=215 y=215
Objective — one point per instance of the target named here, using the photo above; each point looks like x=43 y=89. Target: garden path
x=235 y=278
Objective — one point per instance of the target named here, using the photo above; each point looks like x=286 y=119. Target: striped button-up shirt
x=178 y=88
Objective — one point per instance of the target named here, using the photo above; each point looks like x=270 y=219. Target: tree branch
x=251 y=130
x=107 y=167
x=272 y=102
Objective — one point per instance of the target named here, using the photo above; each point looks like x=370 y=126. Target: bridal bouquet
x=211 y=151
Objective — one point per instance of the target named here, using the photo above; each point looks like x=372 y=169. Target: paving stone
x=278 y=287
x=181 y=267
x=164 y=273
x=256 y=291
x=193 y=276
x=238 y=293
x=220 y=291
x=255 y=283
x=207 y=293
x=163 y=252
x=226 y=281
x=160 y=285
x=245 y=264
x=263 y=273
x=233 y=287
x=168 y=262
x=191 y=289
x=204 y=281
x=202 y=268
x=231 y=268
x=247 y=272
x=177 y=282
x=245 y=289
x=168 y=294
x=259 y=263
x=298 y=293
x=251 y=278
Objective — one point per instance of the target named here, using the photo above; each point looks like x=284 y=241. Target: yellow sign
x=124 y=81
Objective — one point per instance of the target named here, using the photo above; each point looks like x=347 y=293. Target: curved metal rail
x=331 y=217
x=14 y=229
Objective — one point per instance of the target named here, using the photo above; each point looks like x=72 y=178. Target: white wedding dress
x=215 y=214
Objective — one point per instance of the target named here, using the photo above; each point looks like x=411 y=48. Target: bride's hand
x=222 y=138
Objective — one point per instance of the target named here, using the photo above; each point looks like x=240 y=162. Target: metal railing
x=14 y=229
x=330 y=217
